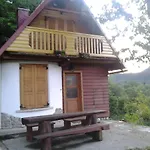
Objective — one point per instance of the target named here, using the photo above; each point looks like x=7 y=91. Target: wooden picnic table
x=46 y=132
x=62 y=116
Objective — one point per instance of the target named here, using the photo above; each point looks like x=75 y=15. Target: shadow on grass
x=63 y=143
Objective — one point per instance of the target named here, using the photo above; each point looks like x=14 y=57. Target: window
x=34 y=86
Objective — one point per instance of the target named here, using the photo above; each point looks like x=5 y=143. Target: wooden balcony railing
x=40 y=40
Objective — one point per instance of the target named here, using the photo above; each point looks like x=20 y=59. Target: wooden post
x=45 y=127
x=97 y=135
x=67 y=124
x=29 y=134
x=88 y=120
x=94 y=119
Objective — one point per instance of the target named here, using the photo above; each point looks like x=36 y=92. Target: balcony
x=46 y=41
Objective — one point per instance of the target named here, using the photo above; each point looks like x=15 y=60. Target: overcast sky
x=122 y=41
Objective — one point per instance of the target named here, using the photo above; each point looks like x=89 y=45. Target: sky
x=133 y=66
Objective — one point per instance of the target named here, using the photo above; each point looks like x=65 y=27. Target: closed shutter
x=41 y=86
x=34 y=86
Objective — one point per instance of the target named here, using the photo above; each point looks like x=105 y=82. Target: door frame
x=64 y=90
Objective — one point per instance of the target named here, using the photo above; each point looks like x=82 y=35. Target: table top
x=56 y=117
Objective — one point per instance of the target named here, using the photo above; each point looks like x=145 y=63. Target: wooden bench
x=95 y=131
x=67 y=122
x=30 y=133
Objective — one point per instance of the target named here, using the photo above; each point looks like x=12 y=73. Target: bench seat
x=31 y=133
x=78 y=130
x=94 y=130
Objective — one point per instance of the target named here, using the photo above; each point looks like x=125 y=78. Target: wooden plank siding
x=95 y=88
x=65 y=22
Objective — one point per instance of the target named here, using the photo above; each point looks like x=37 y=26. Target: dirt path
x=121 y=136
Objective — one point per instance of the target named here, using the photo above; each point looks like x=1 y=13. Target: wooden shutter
x=34 y=86
x=27 y=86
x=41 y=86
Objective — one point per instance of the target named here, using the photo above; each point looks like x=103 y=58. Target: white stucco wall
x=11 y=90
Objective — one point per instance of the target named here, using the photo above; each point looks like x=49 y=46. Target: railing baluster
x=44 y=40
x=60 y=48
x=91 y=45
x=97 y=46
x=101 y=46
x=85 y=44
x=56 y=41
x=41 y=40
x=79 y=42
x=36 y=40
x=32 y=40
x=52 y=41
x=64 y=43
x=94 y=46
x=88 y=45
x=48 y=40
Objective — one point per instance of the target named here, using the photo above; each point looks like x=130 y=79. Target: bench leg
x=45 y=127
x=97 y=135
x=67 y=124
x=46 y=144
x=29 y=135
x=52 y=127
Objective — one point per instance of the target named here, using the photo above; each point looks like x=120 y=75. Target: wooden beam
x=66 y=11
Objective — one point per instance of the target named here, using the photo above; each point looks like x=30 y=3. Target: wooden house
x=58 y=60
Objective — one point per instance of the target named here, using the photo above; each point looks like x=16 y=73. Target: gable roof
x=33 y=16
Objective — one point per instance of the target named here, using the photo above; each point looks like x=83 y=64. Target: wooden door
x=72 y=92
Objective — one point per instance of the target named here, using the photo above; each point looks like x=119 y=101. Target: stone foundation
x=8 y=121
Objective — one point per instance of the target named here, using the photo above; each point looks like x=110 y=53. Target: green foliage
x=8 y=13
x=136 y=27
x=131 y=102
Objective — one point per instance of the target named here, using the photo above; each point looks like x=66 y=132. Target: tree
x=8 y=20
x=136 y=27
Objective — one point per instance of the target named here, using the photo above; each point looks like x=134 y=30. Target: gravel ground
x=121 y=136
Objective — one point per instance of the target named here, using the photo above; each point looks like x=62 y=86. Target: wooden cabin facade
x=57 y=61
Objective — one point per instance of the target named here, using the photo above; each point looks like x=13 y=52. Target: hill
x=142 y=77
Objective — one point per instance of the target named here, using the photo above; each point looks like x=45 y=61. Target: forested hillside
x=142 y=77
x=130 y=102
